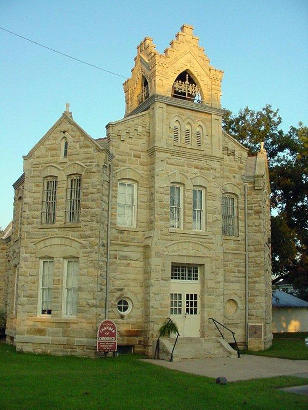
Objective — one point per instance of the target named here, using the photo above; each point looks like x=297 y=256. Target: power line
x=63 y=54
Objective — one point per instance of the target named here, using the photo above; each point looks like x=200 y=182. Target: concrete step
x=195 y=348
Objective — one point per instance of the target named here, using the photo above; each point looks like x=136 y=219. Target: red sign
x=107 y=337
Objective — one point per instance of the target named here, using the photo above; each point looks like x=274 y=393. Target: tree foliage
x=288 y=166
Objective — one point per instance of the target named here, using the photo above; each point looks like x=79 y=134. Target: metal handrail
x=221 y=334
x=157 y=347
x=176 y=339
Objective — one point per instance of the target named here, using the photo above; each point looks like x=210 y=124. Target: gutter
x=246 y=264
x=108 y=237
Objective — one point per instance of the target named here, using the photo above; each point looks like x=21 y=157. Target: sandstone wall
x=4 y=268
x=84 y=240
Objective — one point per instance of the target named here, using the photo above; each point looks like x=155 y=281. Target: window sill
x=127 y=228
x=231 y=238
x=49 y=318
x=57 y=226
x=188 y=232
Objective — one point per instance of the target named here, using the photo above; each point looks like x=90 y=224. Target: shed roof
x=283 y=299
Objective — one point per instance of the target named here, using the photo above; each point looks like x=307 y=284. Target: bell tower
x=183 y=71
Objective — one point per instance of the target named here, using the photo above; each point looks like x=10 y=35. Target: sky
x=262 y=47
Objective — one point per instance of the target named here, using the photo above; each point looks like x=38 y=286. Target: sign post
x=106 y=337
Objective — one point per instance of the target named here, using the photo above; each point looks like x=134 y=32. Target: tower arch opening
x=185 y=88
x=144 y=90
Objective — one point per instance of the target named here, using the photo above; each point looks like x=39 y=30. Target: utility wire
x=63 y=54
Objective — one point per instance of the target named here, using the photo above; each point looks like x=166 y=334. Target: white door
x=185 y=299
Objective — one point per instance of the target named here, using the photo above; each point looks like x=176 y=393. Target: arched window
x=127 y=203
x=187 y=138
x=64 y=147
x=73 y=194
x=185 y=88
x=176 y=206
x=199 y=136
x=198 y=208
x=229 y=215
x=48 y=213
x=176 y=132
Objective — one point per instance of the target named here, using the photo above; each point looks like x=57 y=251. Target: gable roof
x=283 y=299
x=236 y=142
x=7 y=231
x=65 y=116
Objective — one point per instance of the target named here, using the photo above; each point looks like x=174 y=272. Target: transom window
x=48 y=214
x=198 y=209
x=127 y=201
x=176 y=206
x=184 y=272
x=229 y=215
x=73 y=193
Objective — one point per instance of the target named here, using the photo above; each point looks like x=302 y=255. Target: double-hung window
x=127 y=203
x=198 y=208
x=229 y=215
x=48 y=214
x=176 y=208
x=73 y=193
x=45 y=291
x=70 y=291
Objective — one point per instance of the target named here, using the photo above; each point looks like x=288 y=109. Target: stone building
x=167 y=216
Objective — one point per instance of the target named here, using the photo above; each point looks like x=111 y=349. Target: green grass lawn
x=29 y=381
x=287 y=346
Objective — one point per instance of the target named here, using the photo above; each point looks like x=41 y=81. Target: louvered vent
x=175 y=133
x=187 y=136
x=198 y=138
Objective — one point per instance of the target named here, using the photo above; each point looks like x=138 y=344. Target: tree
x=288 y=166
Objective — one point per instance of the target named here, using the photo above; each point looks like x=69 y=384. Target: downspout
x=108 y=236
x=246 y=263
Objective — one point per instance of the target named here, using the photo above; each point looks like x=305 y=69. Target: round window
x=124 y=306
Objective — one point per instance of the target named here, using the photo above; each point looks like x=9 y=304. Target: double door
x=185 y=307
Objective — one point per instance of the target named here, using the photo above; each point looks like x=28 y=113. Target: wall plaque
x=106 y=337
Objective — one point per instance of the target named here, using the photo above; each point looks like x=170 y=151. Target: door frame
x=202 y=262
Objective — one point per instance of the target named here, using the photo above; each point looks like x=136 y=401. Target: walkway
x=245 y=368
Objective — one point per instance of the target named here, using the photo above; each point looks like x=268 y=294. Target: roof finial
x=67 y=107
x=262 y=147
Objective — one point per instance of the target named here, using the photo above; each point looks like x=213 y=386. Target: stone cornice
x=175 y=102
x=19 y=181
